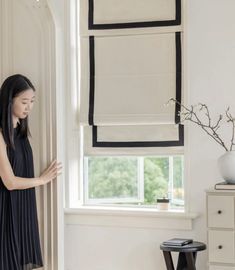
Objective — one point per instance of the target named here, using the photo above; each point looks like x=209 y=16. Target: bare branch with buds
x=190 y=114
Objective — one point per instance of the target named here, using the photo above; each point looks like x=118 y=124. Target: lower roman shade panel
x=133 y=140
x=127 y=80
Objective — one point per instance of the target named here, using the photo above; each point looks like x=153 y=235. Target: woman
x=19 y=237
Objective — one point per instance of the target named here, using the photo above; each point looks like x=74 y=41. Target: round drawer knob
x=219 y=212
x=220 y=247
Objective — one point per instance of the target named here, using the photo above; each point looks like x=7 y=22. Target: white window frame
x=74 y=195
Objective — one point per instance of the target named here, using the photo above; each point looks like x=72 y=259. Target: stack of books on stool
x=177 y=242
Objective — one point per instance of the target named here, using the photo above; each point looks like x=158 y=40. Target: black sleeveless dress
x=19 y=235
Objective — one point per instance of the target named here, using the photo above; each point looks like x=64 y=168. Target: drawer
x=221 y=246
x=214 y=267
x=220 y=211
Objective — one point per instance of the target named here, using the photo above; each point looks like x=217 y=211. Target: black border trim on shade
x=92 y=26
x=92 y=81
x=178 y=75
x=180 y=142
x=95 y=143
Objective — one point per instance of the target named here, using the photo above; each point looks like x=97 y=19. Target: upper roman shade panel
x=131 y=11
x=129 y=15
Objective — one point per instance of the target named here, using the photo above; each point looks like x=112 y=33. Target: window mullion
x=86 y=180
x=141 y=179
x=171 y=179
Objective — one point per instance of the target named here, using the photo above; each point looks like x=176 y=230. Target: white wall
x=210 y=63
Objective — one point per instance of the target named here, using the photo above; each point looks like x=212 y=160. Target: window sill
x=129 y=217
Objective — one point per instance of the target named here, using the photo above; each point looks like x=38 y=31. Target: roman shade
x=131 y=65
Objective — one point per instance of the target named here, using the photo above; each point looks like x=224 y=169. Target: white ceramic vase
x=227 y=166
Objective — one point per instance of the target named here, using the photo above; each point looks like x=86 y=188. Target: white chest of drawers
x=221 y=229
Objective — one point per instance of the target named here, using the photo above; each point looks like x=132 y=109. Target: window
x=128 y=180
x=130 y=143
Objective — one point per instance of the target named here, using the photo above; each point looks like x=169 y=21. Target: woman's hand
x=51 y=172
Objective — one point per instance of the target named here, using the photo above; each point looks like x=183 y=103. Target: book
x=178 y=242
x=224 y=185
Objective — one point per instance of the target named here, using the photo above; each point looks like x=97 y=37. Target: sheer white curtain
x=28 y=35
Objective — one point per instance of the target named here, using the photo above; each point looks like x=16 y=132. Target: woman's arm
x=13 y=182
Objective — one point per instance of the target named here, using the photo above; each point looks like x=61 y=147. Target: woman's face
x=23 y=104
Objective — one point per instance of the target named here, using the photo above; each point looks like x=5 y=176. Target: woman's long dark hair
x=11 y=88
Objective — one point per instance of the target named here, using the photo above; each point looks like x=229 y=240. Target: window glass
x=134 y=180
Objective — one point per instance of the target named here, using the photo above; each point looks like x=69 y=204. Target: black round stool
x=187 y=255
